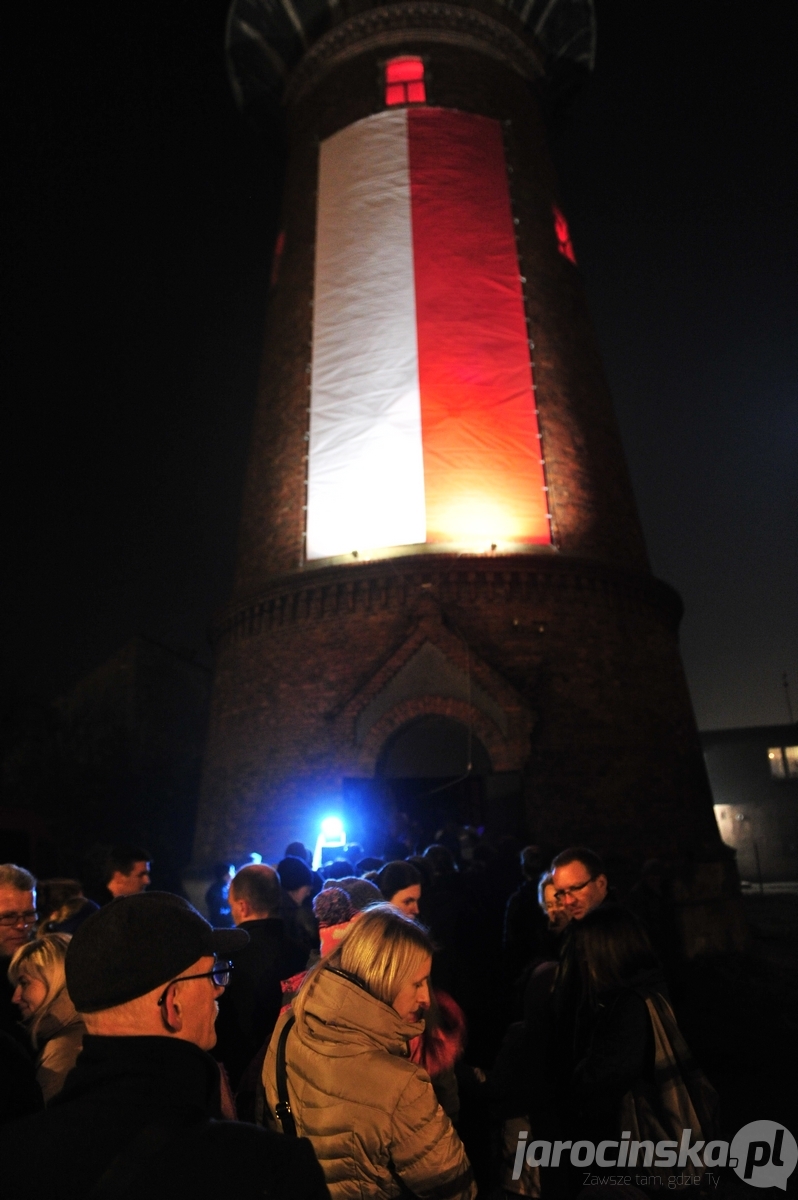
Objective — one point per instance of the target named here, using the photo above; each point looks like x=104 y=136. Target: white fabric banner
x=365 y=458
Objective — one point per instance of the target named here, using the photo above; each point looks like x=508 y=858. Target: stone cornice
x=421 y=20
x=389 y=583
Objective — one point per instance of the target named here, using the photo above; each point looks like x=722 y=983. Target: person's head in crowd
x=369 y=864
x=254 y=894
x=612 y=949
x=223 y=872
x=353 y=852
x=333 y=910
x=441 y=860
x=127 y=870
x=55 y=895
x=296 y=878
x=62 y=905
x=424 y=868
x=554 y=909
x=36 y=972
x=17 y=908
x=531 y=862
x=340 y=868
x=400 y=884
x=580 y=881
x=652 y=875
x=150 y=965
x=391 y=957
x=484 y=856
x=361 y=892
x=299 y=850
x=468 y=840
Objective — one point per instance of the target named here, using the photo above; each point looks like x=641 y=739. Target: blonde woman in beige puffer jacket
x=371 y=1114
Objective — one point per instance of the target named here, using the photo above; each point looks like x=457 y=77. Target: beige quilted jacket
x=370 y=1113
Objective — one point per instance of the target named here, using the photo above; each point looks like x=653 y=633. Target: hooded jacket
x=370 y=1113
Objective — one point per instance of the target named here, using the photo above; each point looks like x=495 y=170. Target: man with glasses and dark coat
x=580 y=881
x=17 y=926
x=140 y=1112
x=540 y=1048
x=19 y=1092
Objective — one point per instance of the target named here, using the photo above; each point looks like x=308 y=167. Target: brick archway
x=391 y=722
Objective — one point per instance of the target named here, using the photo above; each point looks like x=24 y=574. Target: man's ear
x=601 y=881
x=172 y=1010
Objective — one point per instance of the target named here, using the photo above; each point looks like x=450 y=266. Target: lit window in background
x=791 y=761
x=404 y=81
x=776 y=760
x=564 y=243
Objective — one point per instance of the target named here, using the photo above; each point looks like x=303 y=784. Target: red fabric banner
x=483 y=475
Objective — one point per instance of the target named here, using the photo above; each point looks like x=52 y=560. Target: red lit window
x=564 y=244
x=404 y=81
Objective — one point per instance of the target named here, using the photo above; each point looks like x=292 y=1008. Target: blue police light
x=331 y=837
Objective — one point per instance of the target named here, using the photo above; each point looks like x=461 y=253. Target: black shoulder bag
x=283 y=1106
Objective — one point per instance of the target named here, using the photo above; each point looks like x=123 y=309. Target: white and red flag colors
x=422 y=409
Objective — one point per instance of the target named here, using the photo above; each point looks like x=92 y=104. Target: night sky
x=143 y=210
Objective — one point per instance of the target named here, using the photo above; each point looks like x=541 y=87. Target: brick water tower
x=443 y=611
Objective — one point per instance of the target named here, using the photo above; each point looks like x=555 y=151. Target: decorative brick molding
x=314 y=595
x=495 y=710
x=505 y=755
x=418 y=20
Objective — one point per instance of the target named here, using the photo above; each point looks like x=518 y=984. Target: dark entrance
x=434 y=771
x=422 y=785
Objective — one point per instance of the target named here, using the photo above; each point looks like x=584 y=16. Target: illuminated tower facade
x=443 y=606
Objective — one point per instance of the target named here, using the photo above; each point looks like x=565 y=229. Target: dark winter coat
x=20 y=1094
x=251 y=1003
x=613 y=1052
x=525 y=929
x=157 y=1098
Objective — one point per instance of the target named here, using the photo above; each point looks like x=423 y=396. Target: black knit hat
x=396 y=876
x=136 y=943
x=294 y=873
x=361 y=892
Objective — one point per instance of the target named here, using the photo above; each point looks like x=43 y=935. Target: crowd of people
x=372 y=1028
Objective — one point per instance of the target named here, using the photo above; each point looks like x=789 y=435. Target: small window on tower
x=404 y=81
x=564 y=244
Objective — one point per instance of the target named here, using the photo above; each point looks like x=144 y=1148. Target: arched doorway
x=433 y=770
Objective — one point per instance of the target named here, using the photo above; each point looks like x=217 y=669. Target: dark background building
x=116 y=759
x=754 y=778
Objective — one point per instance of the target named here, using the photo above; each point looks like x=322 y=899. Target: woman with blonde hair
x=36 y=973
x=337 y=1070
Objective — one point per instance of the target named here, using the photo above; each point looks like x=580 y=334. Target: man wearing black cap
x=140 y=1111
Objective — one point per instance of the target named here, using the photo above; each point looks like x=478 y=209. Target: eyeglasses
x=220 y=975
x=9 y=920
x=561 y=893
